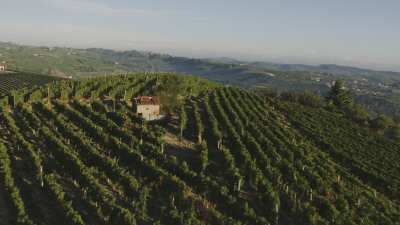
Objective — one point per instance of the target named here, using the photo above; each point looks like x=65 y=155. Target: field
x=72 y=152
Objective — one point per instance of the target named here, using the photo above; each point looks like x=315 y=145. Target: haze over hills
x=377 y=90
x=322 y=68
x=148 y=61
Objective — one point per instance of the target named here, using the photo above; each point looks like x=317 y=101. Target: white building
x=2 y=68
x=147 y=107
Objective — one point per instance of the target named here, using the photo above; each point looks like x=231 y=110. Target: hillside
x=10 y=81
x=221 y=156
x=377 y=90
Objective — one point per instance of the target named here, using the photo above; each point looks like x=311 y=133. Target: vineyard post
x=173 y=202
x=239 y=185
x=41 y=175
x=277 y=214
x=181 y=132
x=48 y=94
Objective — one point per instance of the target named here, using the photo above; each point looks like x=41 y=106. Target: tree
x=310 y=99
x=382 y=122
x=289 y=96
x=359 y=114
x=339 y=96
x=306 y=98
x=393 y=133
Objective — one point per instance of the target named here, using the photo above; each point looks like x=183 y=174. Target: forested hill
x=73 y=152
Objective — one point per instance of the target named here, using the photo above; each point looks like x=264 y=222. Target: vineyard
x=73 y=152
x=16 y=80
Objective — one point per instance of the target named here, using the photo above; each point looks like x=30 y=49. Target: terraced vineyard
x=371 y=157
x=74 y=153
x=16 y=80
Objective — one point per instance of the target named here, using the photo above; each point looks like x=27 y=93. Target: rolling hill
x=376 y=90
x=72 y=152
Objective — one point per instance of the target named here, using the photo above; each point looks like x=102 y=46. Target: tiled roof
x=147 y=100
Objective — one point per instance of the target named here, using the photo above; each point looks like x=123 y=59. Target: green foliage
x=371 y=87
x=327 y=210
x=358 y=114
x=306 y=98
x=182 y=121
x=244 y=160
x=367 y=155
x=382 y=122
x=17 y=80
x=393 y=133
x=203 y=156
x=11 y=188
x=339 y=96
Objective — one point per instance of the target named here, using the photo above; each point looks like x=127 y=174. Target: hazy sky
x=353 y=32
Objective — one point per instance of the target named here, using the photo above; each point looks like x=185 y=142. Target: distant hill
x=328 y=68
x=377 y=90
x=73 y=152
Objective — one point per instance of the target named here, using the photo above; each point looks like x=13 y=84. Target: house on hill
x=147 y=107
x=3 y=67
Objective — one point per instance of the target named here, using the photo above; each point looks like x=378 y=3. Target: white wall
x=148 y=111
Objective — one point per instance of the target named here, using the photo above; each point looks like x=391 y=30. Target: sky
x=363 y=33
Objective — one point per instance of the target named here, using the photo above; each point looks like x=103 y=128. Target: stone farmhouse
x=3 y=67
x=147 y=107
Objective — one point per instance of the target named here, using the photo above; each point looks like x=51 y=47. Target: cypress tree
x=339 y=96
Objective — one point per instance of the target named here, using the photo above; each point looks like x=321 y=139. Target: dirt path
x=179 y=148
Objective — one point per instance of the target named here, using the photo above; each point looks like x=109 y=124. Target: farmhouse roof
x=147 y=100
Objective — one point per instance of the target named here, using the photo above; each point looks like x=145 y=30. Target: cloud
x=102 y=9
